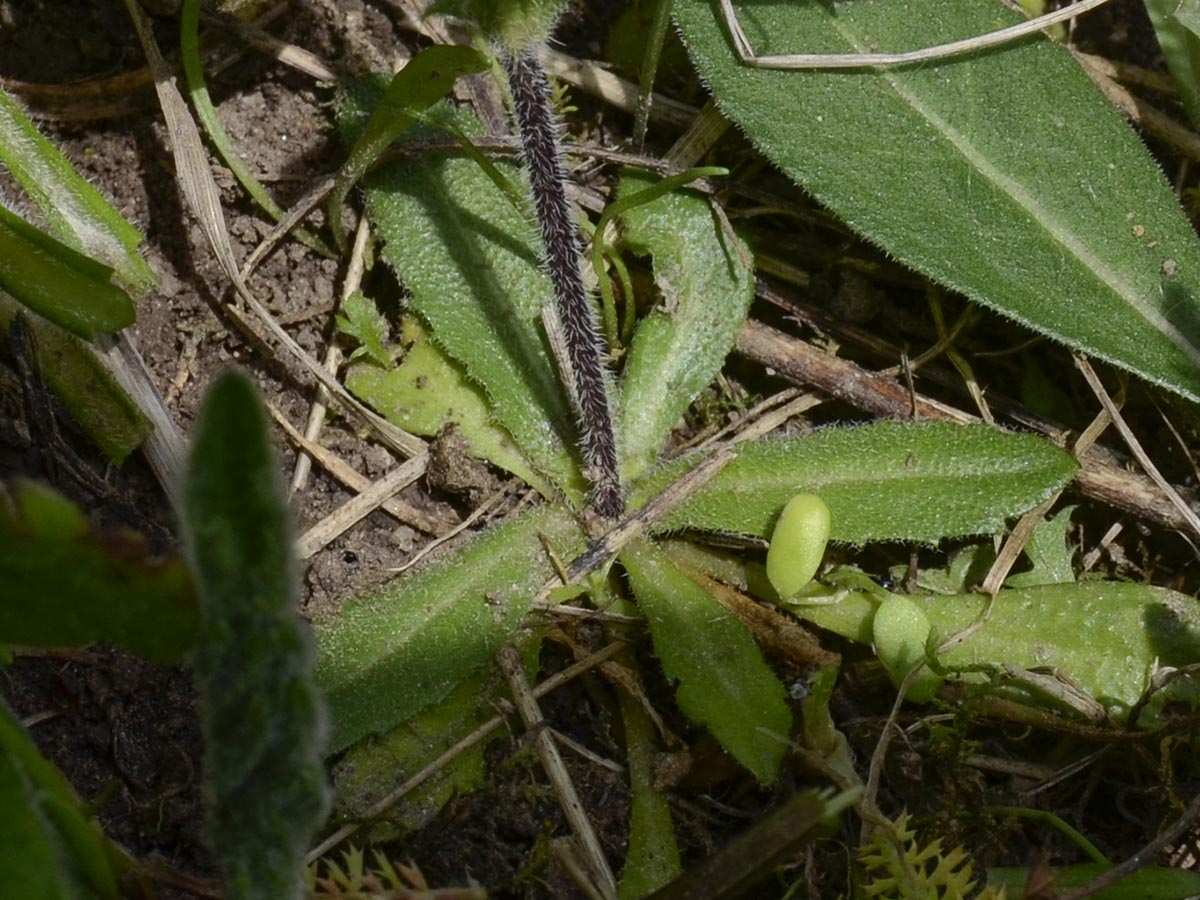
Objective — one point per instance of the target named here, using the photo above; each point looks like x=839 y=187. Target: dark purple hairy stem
x=539 y=130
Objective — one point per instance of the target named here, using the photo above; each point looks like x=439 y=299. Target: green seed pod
x=900 y=630
x=797 y=544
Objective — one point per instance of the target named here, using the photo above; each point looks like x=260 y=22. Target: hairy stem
x=538 y=128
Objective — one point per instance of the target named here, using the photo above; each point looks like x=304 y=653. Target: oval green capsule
x=797 y=544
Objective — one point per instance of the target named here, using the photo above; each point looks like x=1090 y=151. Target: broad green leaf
x=701 y=272
x=63 y=584
x=424 y=80
x=79 y=380
x=947 y=166
x=58 y=283
x=372 y=769
x=724 y=683
x=1177 y=24
x=76 y=211
x=49 y=844
x=1108 y=638
x=428 y=392
x=473 y=265
x=885 y=481
x=261 y=715
x=388 y=656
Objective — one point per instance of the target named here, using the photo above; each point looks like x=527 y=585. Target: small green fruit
x=797 y=544
x=900 y=631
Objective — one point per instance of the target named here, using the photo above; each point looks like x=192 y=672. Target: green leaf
x=473 y=265
x=261 y=715
x=724 y=683
x=1048 y=552
x=360 y=320
x=58 y=283
x=514 y=23
x=1149 y=883
x=886 y=481
x=79 y=380
x=372 y=769
x=428 y=392
x=76 y=211
x=705 y=284
x=388 y=656
x=1106 y=637
x=944 y=165
x=63 y=584
x=424 y=80
x=1177 y=24
x=49 y=844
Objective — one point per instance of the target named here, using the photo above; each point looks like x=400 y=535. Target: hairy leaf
x=1106 y=637
x=76 y=211
x=428 y=392
x=724 y=683
x=261 y=715
x=885 y=481
x=702 y=273
x=388 y=656
x=946 y=166
x=473 y=265
x=360 y=320
x=63 y=584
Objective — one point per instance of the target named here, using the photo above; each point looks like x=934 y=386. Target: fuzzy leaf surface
x=473 y=265
x=75 y=210
x=1106 y=637
x=428 y=392
x=62 y=584
x=724 y=683
x=944 y=166
x=388 y=656
x=885 y=481
x=261 y=715
x=679 y=347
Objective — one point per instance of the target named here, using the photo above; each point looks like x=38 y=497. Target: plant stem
x=539 y=128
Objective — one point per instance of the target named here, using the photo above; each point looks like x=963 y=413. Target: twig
x=360 y=505
x=509 y=661
x=1135 y=447
x=552 y=683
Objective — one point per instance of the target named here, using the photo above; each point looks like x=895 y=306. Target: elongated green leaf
x=1106 y=637
x=423 y=81
x=372 y=769
x=428 y=392
x=388 y=656
x=75 y=210
x=706 y=285
x=54 y=281
x=886 y=481
x=724 y=684
x=1040 y=204
x=63 y=584
x=261 y=715
x=83 y=385
x=1177 y=24
x=1150 y=883
x=472 y=263
x=49 y=844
